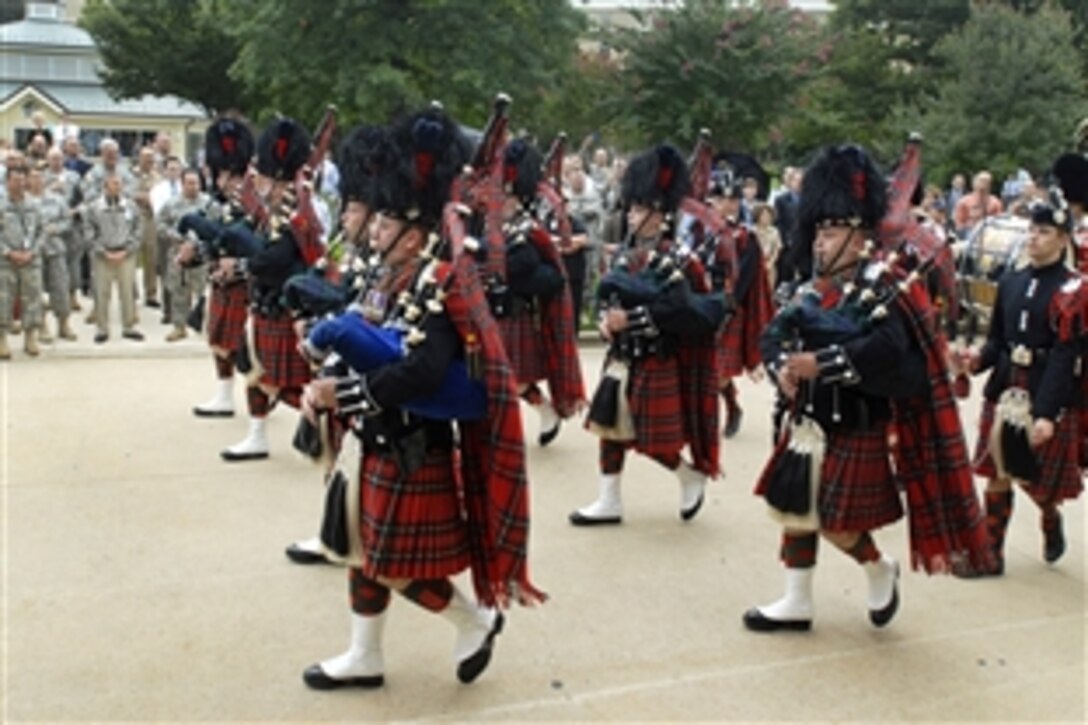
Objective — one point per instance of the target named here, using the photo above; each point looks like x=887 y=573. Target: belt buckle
x=1021 y=355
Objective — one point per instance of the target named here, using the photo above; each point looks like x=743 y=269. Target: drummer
x=1029 y=359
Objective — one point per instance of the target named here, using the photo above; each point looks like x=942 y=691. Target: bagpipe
x=366 y=346
x=550 y=189
x=480 y=189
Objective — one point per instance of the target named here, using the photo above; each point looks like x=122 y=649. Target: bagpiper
x=426 y=498
x=856 y=353
x=658 y=392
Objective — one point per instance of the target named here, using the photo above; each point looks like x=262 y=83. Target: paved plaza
x=144 y=579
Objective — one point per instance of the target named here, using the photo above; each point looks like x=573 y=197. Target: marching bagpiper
x=659 y=389
x=429 y=497
x=855 y=351
x=228 y=148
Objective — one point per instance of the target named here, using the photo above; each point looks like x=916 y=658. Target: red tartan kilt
x=1084 y=420
x=228 y=308
x=654 y=397
x=411 y=529
x=858 y=491
x=276 y=347
x=523 y=339
x=730 y=352
x=1060 y=458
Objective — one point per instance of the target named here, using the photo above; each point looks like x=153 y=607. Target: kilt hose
x=1059 y=459
x=228 y=310
x=276 y=348
x=411 y=528
x=858 y=491
x=521 y=336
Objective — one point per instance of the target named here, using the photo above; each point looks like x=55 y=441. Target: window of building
x=130 y=141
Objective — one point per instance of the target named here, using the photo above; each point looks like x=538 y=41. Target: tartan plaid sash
x=491 y=464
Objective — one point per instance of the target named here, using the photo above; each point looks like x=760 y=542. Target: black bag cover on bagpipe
x=688 y=312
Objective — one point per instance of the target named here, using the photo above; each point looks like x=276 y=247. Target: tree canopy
x=992 y=82
x=721 y=65
x=994 y=110
x=167 y=47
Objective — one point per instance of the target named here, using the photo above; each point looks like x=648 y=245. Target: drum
x=996 y=245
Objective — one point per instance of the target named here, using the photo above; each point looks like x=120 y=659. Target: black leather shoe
x=689 y=513
x=133 y=335
x=881 y=617
x=756 y=621
x=733 y=418
x=316 y=678
x=579 y=519
x=101 y=338
x=154 y=304
x=232 y=457
x=474 y=665
x=202 y=413
x=299 y=555
x=1054 y=542
x=549 y=435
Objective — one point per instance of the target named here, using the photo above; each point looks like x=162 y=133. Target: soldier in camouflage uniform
x=112 y=230
x=56 y=222
x=66 y=182
x=21 y=232
x=181 y=282
x=146 y=178
x=95 y=180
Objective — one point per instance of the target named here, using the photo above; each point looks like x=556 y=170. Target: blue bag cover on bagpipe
x=367 y=347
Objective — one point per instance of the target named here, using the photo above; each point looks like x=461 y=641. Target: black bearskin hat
x=1054 y=212
x=431 y=152
x=228 y=145
x=843 y=185
x=282 y=149
x=1070 y=171
x=362 y=155
x=521 y=170
x=657 y=178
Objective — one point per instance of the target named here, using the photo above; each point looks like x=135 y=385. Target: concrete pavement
x=144 y=579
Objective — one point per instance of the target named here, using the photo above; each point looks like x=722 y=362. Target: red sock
x=368 y=597
x=431 y=594
x=864 y=549
x=799 y=550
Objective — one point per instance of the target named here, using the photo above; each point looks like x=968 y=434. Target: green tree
x=880 y=62
x=375 y=58
x=909 y=28
x=1011 y=91
x=717 y=64
x=166 y=47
